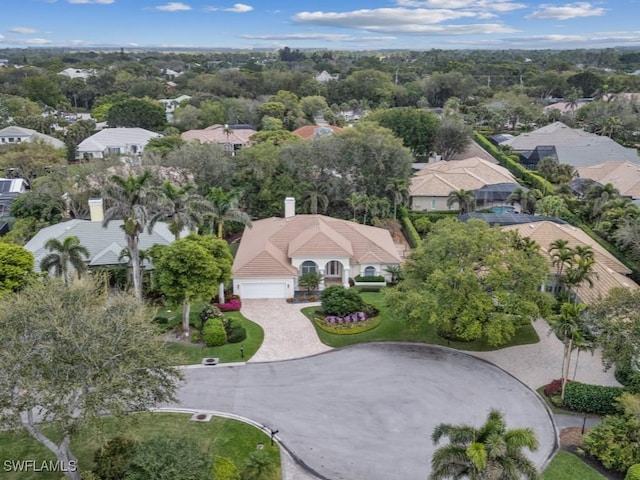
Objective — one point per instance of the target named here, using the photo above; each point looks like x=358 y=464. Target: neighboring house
x=567 y=145
x=14 y=134
x=10 y=188
x=128 y=142
x=275 y=252
x=105 y=244
x=231 y=137
x=430 y=187
x=625 y=176
x=324 y=77
x=565 y=108
x=171 y=74
x=309 y=132
x=170 y=104
x=77 y=73
x=609 y=271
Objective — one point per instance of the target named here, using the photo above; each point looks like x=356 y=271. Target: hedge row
x=409 y=230
x=586 y=398
x=377 y=278
x=511 y=163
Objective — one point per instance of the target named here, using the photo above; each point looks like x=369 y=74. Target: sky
x=331 y=24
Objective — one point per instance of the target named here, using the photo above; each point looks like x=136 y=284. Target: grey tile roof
x=116 y=137
x=104 y=243
x=15 y=131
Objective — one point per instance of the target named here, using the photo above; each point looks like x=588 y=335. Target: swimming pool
x=503 y=209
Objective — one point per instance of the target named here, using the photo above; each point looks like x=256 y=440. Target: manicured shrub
x=112 y=459
x=554 y=388
x=224 y=469
x=214 y=333
x=408 y=229
x=628 y=377
x=586 y=398
x=209 y=311
x=614 y=442
x=377 y=278
x=236 y=332
x=340 y=301
x=633 y=473
x=169 y=458
x=233 y=305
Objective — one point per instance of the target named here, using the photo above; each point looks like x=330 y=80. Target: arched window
x=370 y=272
x=308 y=267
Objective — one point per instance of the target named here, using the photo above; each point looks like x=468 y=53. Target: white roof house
x=77 y=73
x=115 y=141
x=14 y=134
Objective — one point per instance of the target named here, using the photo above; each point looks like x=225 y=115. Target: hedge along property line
x=586 y=398
x=511 y=164
x=408 y=229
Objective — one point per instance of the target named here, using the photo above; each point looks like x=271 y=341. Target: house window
x=370 y=272
x=114 y=150
x=308 y=267
x=433 y=204
x=334 y=269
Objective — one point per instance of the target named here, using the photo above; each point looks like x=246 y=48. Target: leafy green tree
x=136 y=112
x=452 y=137
x=164 y=145
x=16 y=267
x=491 y=452
x=463 y=199
x=31 y=159
x=130 y=199
x=470 y=282
x=614 y=442
x=191 y=269
x=417 y=128
x=90 y=352
x=43 y=89
x=63 y=254
x=168 y=458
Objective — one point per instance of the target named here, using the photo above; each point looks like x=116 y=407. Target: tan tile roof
x=625 y=176
x=610 y=271
x=216 y=134
x=266 y=248
x=308 y=132
x=441 y=178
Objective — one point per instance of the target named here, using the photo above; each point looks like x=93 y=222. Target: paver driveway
x=367 y=411
x=288 y=333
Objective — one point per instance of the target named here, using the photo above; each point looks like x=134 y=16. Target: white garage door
x=263 y=290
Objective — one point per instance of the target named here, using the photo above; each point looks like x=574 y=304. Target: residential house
x=14 y=134
x=77 y=73
x=309 y=132
x=170 y=105
x=565 y=108
x=625 y=176
x=4 y=62
x=609 y=271
x=231 y=137
x=105 y=244
x=430 y=187
x=10 y=188
x=567 y=145
x=275 y=252
x=126 y=142
x=324 y=77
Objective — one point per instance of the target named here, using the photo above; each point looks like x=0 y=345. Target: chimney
x=95 y=209
x=289 y=207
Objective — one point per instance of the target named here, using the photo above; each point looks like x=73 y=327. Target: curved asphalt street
x=367 y=411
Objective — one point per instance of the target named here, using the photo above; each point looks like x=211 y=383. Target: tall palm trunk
x=132 y=243
x=565 y=374
x=220 y=228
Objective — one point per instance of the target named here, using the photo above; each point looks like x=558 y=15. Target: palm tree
x=314 y=198
x=490 y=452
x=526 y=198
x=581 y=269
x=598 y=197
x=464 y=199
x=399 y=192
x=561 y=254
x=181 y=207
x=224 y=208
x=65 y=253
x=356 y=202
x=130 y=199
x=568 y=327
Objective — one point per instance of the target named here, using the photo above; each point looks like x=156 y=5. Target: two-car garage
x=263 y=288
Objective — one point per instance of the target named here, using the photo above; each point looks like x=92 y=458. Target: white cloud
x=327 y=37
x=37 y=41
x=1 y=36
x=101 y=2
x=568 y=11
x=173 y=7
x=484 y=5
x=368 y=18
x=23 y=30
x=237 y=8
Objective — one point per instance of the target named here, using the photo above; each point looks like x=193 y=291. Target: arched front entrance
x=333 y=273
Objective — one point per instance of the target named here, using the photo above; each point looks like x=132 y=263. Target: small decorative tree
x=340 y=301
x=310 y=281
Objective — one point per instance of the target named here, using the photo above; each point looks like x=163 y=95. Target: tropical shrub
x=633 y=473
x=209 y=311
x=629 y=377
x=258 y=466
x=410 y=233
x=169 y=458
x=224 y=469
x=213 y=333
x=340 y=301
x=614 y=442
x=112 y=459
x=236 y=332
x=310 y=281
x=233 y=305
x=586 y=398
x=554 y=388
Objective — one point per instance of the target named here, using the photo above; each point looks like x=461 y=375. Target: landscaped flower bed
x=233 y=305
x=353 y=323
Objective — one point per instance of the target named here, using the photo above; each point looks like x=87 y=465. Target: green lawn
x=393 y=328
x=194 y=353
x=566 y=466
x=220 y=436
